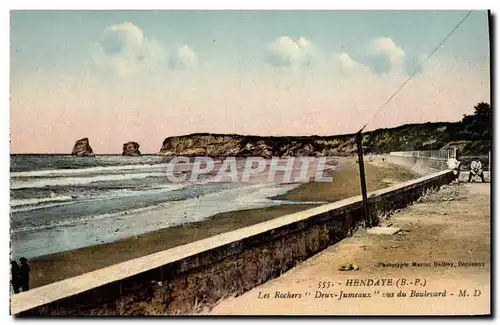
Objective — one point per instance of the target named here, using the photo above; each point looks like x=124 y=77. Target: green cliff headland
x=471 y=136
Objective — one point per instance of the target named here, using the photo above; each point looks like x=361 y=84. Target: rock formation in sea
x=131 y=149
x=82 y=148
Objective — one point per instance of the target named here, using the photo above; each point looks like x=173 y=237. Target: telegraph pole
x=359 y=141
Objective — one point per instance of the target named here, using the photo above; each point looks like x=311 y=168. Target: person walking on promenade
x=24 y=272
x=476 y=169
x=15 y=280
x=454 y=165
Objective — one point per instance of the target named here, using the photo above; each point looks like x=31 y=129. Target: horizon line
x=240 y=135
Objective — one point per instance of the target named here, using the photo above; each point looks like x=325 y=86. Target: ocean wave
x=24 y=205
x=35 y=201
x=248 y=196
x=41 y=206
x=66 y=181
x=75 y=221
x=89 y=170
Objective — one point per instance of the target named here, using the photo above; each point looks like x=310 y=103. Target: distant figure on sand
x=24 y=272
x=476 y=169
x=15 y=279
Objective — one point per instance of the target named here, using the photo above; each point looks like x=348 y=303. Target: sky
x=118 y=76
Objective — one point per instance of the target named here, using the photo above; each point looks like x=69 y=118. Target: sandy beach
x=55 y=267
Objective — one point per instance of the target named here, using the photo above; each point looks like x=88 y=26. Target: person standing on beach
x=15 y=276
x=24 y=272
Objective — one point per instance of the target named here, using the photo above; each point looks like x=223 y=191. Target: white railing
x=432 y=154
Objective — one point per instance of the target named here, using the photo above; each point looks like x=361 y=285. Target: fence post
x=359 y=140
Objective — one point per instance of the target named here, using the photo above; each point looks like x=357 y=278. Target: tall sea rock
x=82 y=148
x=131 y=149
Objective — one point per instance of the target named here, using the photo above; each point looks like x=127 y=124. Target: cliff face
x=245 y=146
x=82 y=148
x=428 y=136
x=131 y=149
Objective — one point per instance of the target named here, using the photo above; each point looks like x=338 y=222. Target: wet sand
x=59 y=266
x=346 y=181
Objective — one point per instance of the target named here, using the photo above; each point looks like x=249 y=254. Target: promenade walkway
x=438 y=233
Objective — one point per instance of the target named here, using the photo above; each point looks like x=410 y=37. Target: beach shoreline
x=60 y=210
x=55 y=267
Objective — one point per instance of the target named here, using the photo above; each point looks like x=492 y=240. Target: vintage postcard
x=250 y=163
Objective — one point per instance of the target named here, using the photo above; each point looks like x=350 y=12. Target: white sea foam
x=49 y=202
x=35 y=237
x=33 y=240
x=250 y=195
x=66 y=181
x=18 y=203
x=67 y=222
x=84 y=171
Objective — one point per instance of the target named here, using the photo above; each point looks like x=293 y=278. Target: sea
x=60 y=202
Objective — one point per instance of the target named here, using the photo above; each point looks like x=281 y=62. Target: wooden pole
x=359 y=141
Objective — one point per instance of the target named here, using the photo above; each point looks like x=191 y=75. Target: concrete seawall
x=427 y=165
x=184 y=278
x=420 y=165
